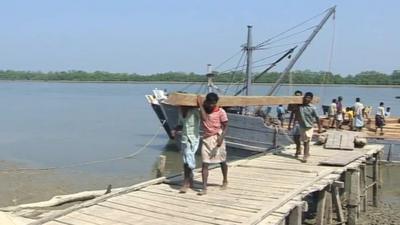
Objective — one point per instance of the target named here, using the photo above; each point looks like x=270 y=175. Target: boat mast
x=210 y=77
x=286 y=71
x=249 y=50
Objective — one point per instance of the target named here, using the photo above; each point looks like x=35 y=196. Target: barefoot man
x=188 y=125
x=215 y=123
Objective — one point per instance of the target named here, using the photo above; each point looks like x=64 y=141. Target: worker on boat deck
x=339 y=112
x=349 y=117
x=280 y=112
x=332 y=113
x=387 y=112
x=359 y=112
x=380 y=118
x=293 y=108
x=189 y=125
x=213 y=150
x=307 y=115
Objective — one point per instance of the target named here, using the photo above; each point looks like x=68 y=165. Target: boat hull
x=244 y=131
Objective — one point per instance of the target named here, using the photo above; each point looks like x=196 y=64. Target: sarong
x=379 y=121
x=358 y=121
x=210 y=153
x=189 y=149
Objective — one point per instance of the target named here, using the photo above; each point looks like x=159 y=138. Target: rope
x=144 y=147
x=268 y=57
x=288 y=36
x=187 y=86
x=322 y=88
x=221 y=64
x=292 y=28
x=234 y=73
x=282 y=45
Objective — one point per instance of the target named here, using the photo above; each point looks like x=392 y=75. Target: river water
x=46 y=125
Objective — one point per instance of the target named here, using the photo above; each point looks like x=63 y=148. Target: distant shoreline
x=184 y=82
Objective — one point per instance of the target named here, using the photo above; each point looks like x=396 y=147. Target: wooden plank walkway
x=262 y=189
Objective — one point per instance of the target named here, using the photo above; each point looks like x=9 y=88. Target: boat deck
x=263 y=189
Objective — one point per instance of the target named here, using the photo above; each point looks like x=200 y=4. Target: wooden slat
x=191 y=100
x=342 y=159
x=347 y=141
x=333 y=141
x=174 y=210
x=197 y=207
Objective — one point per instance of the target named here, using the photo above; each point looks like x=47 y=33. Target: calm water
x=57 y=124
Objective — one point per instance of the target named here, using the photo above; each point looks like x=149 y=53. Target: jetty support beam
x=353 y=195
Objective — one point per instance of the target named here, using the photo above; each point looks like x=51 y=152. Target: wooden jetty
x=263 y=189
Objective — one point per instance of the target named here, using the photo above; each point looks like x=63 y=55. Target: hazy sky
x=170 y=35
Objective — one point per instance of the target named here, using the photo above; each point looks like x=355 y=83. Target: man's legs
x=186 y=179
x=332 y=121
x=204 y=175
x=224 y=169
x=306 y=150
x=296 y=139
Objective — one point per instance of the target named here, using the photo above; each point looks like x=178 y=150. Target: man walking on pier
x=294 y=123
x=189 y=125
x=215 y=123
x=307 y=114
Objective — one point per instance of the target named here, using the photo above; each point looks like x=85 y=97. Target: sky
x=148 y=37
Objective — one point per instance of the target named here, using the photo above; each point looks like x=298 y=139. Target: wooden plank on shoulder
x=191 y=100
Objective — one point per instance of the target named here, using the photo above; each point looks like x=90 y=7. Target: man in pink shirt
x=213 y=150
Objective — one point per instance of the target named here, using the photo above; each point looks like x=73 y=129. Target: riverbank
x=199 y=83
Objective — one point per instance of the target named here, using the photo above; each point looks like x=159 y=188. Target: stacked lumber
x=185 y=99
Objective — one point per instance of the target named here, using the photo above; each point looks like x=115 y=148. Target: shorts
x=306 y=134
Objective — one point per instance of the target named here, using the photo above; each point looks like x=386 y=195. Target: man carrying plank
x=307 y=115
x=189 y=125
x=215 y=123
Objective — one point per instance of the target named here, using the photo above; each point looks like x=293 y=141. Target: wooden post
x=376 y=179
x=338 y=204
x=161 y=165
x=321 y=207
x=328 y=206
x=353 y=196
x=364 y=191
x=389 y=156
x=295 y=216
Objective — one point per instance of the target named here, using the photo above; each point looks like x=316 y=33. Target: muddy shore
x=388 y=213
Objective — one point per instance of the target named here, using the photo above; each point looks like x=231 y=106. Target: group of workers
x=356 y=115
x=214 y=122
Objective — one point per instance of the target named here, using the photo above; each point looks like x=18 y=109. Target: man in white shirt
x=358 y=115
x=332 y=113
x=380 y=117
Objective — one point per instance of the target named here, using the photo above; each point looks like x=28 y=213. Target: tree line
x=297 y=77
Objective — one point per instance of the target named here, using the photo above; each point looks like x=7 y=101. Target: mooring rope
x=132 y=155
